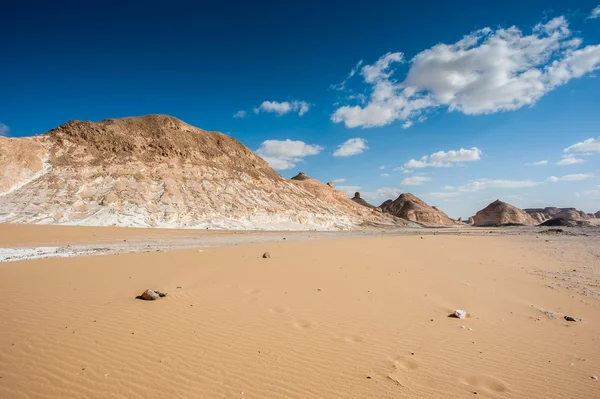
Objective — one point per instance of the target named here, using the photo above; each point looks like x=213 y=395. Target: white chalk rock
x=459 y=313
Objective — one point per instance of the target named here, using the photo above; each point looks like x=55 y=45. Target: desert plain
x=329 y=315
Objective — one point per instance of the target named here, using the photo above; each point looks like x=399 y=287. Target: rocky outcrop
x=361 y=201
x=157 y=171
x=386 y=204
x=500 y=213
x=543 y=214
x=411 y=208
x=597 y=214
x=591 y=216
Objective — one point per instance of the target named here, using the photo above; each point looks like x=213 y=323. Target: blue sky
x=404 y=86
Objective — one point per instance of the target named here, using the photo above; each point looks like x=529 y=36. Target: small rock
x=266 y=255
x=571 y=318
x=151 y=295
x=594 y=377
x=459 y=314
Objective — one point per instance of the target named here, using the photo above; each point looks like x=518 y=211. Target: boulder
x=151 y=295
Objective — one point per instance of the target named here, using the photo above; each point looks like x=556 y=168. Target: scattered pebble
x=594 y=377
x=266 y=255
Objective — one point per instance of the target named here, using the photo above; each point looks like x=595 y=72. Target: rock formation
x=157 y=171
x=591 y=216
x=543 y=214
x=409 y=207
x=361 y=201
x=500 y=213
x=597 y=214
x=385 y=204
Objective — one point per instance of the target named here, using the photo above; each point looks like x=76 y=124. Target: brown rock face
x=597 y=214
x=500 y=213
x=155 y=171
x=361 y=201
x=409 y=207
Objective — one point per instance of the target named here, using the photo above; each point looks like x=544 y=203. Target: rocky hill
x=158 y=171
x=543 y=214
x=357 y=198
x=500 y=213
x=409 y=207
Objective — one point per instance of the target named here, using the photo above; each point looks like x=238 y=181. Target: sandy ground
x=349 y=317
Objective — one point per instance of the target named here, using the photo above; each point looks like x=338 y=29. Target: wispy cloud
x=487 y=71
x=595 y=14
x=282 y=108
x=566 y=161
x=415 y=180
x=240 y=114
x=4 y=130
x=285 y=154
x=445 y=159
x=341 y=180
x=574 y=177
x=342 y=86
x=351 y=147
x=484 y=184
x=539 y=163
x=585 y=146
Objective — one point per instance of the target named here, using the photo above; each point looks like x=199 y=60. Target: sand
x=344 y=317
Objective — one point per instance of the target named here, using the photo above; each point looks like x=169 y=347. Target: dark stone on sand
x=571 y=318
x=151 y=295
x=266 y=255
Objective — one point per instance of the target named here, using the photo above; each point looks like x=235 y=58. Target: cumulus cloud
x=240 y=114
x=595 y=14
x=487 y=71
x=574 y=177
x=585 y=146
x=415 y=180
x=285 y=154
x=484 y=184
x=282 y=108
x=569 y=161
x=351 y=147
x=539 y=163
x=445 y=159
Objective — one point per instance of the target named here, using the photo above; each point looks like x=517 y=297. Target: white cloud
x=589 y=145
x=240 y=114
x=442 y=195
x=338 y=180
x=382 y=194
x=574 y=177
x=382 y=167
x=342 y=86
x=484 y=184
x=351 y=147
x=282 y=108
x=4 y=130
x=384 y=175
x=569 y=161
x=415 y=180
x=348 y=190
x=595 y=14
x=539 y=163
x=402 y=169
x=487 y=71
x=284 y=154
x=445 y=159
x=449 y=188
